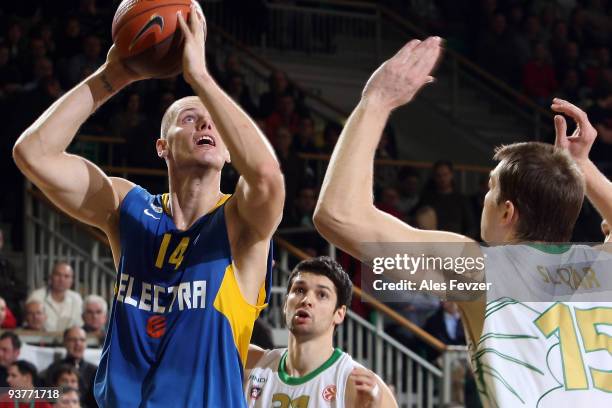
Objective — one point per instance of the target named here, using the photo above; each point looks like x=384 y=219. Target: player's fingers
x=405 y=51
x=183 y=24
x=571 y=110
x=194 y=20
x=360 y=370
x=425 y=53
x=560 y=131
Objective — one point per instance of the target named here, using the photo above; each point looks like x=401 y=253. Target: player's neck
x=303 y=357
x=192 y=196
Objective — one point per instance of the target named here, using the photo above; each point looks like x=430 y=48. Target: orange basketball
x=148 y=36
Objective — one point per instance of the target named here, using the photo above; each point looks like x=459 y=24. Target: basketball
x=148 y=36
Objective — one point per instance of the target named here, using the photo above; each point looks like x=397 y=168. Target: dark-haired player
x=193 y=264
x=310 y=372
x=537 y=352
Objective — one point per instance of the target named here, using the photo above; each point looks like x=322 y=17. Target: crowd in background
x=542 y=48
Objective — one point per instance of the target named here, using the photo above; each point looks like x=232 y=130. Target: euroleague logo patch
x=329 y=393
x=255 y=392
x=156 y=326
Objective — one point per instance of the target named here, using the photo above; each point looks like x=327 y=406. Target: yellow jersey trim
x=165 y=199
x=240 y=314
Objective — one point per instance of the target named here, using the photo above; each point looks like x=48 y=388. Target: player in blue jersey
x=194 y=264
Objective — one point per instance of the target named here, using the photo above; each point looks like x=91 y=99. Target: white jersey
x=269 y=385
x=546 y=353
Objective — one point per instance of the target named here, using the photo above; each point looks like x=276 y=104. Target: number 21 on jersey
x=176 y=257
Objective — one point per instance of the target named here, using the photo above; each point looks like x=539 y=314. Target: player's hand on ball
x=399 y=78
x=580 y=142
x=194 y=30
x=369 y=393
x=117 y=67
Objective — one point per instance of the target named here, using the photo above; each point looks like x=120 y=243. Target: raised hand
x=580 y=142
x=194 y=31
x=399 y=78
x=116 y=71
x=369 y=394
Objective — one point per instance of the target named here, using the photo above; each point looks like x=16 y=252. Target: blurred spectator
x=571 y=60
x=594 y=74
x=92 y=17
x=418 y=306
x=35 y=316
x=600 y=115
x=46 y=92
x=12 y=288
x=240 y=93
x=65 y=375
x=304 y=138
x=496 y=50
x=129 y=123
x=7 y=319
x=294 y=169
x=539 y=78
x=95 y=316
x=385 y=175
x=46 y=36
x=570 y=89
x=15 y=41
x=284 y=116
x=87 y=61
x=22 y=375
x=408 y=186
x=577 y=24
x=445 y=325
x=525 y=38
x=10 y=346
x=42 y=70
x=69 y=398
x=10 y=77
x=62 y=305
x=389 y=201
x=331 y=134
x=232 y=67
x=452 y=207
x=74 y=342
x=71 y=40
x=300 y=214
x=558 y=41
x=279 y=86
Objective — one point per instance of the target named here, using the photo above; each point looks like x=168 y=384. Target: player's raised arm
x=73 y=183
x=598 y=187
x=345 y=213
x=260 y=191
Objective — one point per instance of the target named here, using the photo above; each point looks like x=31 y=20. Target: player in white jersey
x=310 y=373
x=535 y=194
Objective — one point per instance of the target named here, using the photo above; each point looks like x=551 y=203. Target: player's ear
x=510 y=214
x=228 y=157
x=161 y=145
x=339 y=315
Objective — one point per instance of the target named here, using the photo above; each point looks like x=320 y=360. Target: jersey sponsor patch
x=329 y=393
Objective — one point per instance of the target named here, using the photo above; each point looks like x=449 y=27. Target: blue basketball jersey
x=179 y=328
